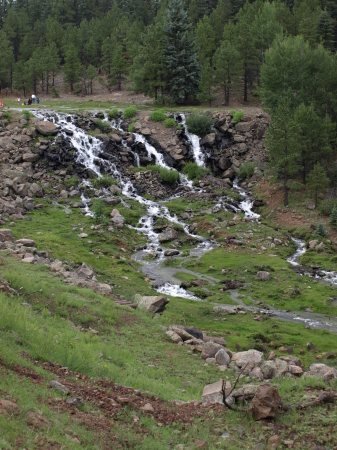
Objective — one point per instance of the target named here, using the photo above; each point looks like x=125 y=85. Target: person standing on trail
x=19 y=101
x=37 y=100
x=33 y=98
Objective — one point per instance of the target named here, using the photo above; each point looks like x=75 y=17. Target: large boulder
x=222 y=358
x=46 y=128
x=247 y=360
x=224 y=162
x=85 y=272
x=155 y=304
x=210 y=349
x=168 y=235
x=274 y=369
x=263 y=275
x=265 y=403
x=6 y=235
x=321 y=371
x=26 y=242
x=213 y=393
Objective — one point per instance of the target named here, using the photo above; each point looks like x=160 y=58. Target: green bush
x=131 y=127
x=104 y=126
x=54 y=92
x=158 y=116
x=78 y=90
x=71 y=182
x=179 y=127
x=105 y=181
x=326 y=206
x=321 y=230
x=113 y=114
x=246 y=170
x=194 y=172
x=199 y=124
x=237 y=115
x=98 y=210
x=7 y=116
x=167 y=175
x=129 y=112
x=169 y=123
x=27 y=113
x=333 y=218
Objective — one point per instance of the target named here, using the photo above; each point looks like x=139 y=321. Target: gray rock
x=210 y=349
x=26 y=242
x=59 y=386
x=222 y=358
x=153 y=304
x=46 y=128
x=168 y=235
x=248 y=359
x=85 y=272
x=263 y=275
x=170 y=252
x=174 y=336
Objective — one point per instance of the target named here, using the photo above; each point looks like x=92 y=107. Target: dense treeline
x=186 y=50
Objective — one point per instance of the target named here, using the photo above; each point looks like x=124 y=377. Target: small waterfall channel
x=88 y=149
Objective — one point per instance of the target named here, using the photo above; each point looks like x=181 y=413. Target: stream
x=164 y=279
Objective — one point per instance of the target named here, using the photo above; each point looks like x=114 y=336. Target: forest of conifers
x=179 y=51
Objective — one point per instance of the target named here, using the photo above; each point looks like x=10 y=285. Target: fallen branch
x=325 y=397
x=224 y=396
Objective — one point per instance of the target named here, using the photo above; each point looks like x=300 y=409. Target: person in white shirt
x=33 y=98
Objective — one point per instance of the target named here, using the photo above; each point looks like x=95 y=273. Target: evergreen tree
x=7 y=61
x=51 y=63
x=90 y=75
x=205 y=39
x=219 y=18
x=317 y=181
x=72 y=67
x=119 y=67
x=206 y=83
x=321 y=230
x=333 y=218
x=281 y=144
x=22 y=76
x=228 y=63
x=180 y=56
x=325 y=29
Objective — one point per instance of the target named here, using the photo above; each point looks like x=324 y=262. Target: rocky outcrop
x=153 y=304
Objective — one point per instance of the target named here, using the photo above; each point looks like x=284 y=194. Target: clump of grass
x=105 y=181
x=246 y=170
x=103 y=126
x=237 y=115
x=131 y=127
x=113 y=114
x=71 y=182
x=98 y=210
x=167 y=175
x=7 y=116
x=158 y=116
x=194 y=172
x=199 y=124
x=27 y=113
x=129 y=112
x=170 y=123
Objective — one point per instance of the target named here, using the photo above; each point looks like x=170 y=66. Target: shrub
x=321 y=230
x=104 y=126
x=169 y=123
x=129 y=112
x=333 y=218
x=28 y=114
x=54 y=92
x=326 y=206
x=98 y=210
x=158 y=116
x=71 y=182
x=7 y=116
x=167 y=175
x=113 y=114
x=131 y=127
x=246 y=170
x=179 y=127
x=199 y=124
x=237 y=115
x=105 y=181
x=193 y=171
x=78 y=90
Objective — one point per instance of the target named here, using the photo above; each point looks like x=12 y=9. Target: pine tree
x=90 y=75
x=51 y=62
x=207 y=82
x=325 y=29
x=333 y=218
x=7 y=61
x=321 y=230
x=317 y=181
x=180 y=55
x=72 y=67
x=281 y=144
x=219 y=18
x=119 y=67
x=205 y=39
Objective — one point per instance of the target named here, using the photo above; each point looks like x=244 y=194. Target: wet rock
x=265 y=403
x=168 y=235
x=153 y=304
x=46 y=128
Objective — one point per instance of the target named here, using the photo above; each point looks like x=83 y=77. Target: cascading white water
x=246 y=205
x=294 y=259
x=195 y=144
x=88 y=149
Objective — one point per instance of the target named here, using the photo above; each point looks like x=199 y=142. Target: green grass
x=170 y=123
x=129 y=112
x=158 y=116
x=246 y=170
x=200 y=124
x=71 y=182
x=103 y=181
x=167 y=175
x=27 y=113
x=103 y=126
x=237 y=115
x=194 y=172
x=113 y=114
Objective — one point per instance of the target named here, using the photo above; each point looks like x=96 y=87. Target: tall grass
x=129 y=112
x=199 y=124
x=194 y=172
x=167 y=175
x=158 y=116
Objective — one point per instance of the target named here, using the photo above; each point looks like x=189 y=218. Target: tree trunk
x=245 y=87
x=285 y=188
x=119 y=81
x=316 y=197
x=304 y=172
x=91 y=87
x=24 y=91
x=47 y=81
x=71 y=86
